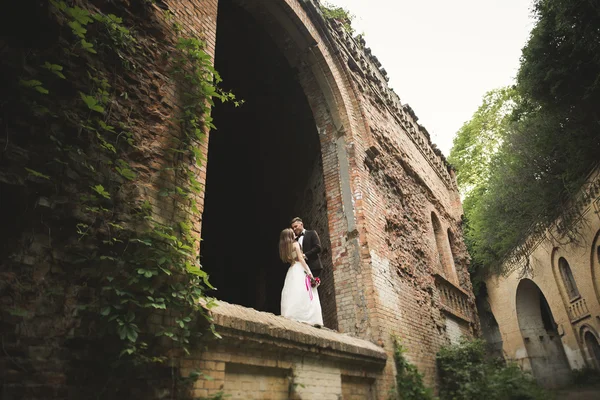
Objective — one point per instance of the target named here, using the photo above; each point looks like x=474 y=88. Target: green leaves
x=34 y=84
x=527 y=149
x=91 y=103
x=467 y=372
x=479 y=139
x=147 y=272
x=87 y=46
x=80 y=15
x=340 y=14
x=77 y=29
x=105 y=144
x=409 y=381
x=144 y=268
x=101 y=191
x=126 y=173
x=36 y=173
x=55 y=69
x=128 y=331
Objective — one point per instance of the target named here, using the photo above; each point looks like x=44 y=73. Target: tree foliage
x=480 y=137
x=519 y=169
x=466 y=372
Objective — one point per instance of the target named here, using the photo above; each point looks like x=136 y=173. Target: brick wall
x=263 y=356
x=401 y=180
x=312 y=207
x=49 y=350
x=382 y=179
x=357 y=388
x=254 y=382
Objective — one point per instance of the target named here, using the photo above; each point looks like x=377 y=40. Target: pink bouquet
x=314 y=282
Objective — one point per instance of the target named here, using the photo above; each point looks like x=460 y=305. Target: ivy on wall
x=127 y=244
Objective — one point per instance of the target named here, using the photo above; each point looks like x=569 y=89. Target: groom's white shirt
x=301 y=238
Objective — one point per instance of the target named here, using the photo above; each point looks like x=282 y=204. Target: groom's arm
x=317 y=246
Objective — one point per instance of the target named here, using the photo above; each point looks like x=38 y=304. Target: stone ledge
x=247 y=325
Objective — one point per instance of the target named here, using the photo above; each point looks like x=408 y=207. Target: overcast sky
x=442 y=56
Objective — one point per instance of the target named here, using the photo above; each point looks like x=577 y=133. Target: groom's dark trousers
x=311 y=246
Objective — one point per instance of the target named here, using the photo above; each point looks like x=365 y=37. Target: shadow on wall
x=544 y=347
x=489 y=326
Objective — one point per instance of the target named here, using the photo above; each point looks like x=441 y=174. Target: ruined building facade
x=351 y=159
x=544 y=313
x=321 y=136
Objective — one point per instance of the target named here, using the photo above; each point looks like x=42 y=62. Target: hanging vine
x=132 y=248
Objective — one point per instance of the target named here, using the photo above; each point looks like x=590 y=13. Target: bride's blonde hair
x=286 y=246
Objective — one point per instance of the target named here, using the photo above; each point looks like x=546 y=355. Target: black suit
x=311 y=247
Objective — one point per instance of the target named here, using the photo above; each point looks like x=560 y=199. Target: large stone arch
x=595 y=264
x=591 y=343
x=305 y=45
x=545 y=351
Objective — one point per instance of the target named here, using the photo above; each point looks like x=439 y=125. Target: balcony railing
x=454 y=299
x=578 y=310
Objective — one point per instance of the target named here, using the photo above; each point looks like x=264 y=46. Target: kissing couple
x=300 y=248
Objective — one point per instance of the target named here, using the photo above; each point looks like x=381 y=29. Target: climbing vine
x=132 y=247
x=339 y=14
x=409 y=381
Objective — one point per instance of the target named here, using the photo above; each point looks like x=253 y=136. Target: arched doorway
x=265 y=163
x=592 y=347
x=544 y=348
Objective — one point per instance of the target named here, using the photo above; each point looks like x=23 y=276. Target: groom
x=310 y=245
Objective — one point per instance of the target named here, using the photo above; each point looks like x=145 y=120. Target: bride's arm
x=300 y=258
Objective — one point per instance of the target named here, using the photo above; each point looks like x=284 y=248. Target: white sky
x=442 y=56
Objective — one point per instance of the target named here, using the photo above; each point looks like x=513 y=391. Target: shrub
x=467 y=373
x=409 y=381
x=585 y=376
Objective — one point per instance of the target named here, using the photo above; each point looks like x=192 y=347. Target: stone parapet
x=261 y=355
x=243 y=324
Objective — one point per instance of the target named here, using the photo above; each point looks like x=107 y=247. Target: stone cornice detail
x=361 y=61
x=246 y=325
x=588 y=195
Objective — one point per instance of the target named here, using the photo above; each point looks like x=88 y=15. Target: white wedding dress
x=300 y=301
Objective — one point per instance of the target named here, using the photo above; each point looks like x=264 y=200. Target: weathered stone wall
x=46 y=274
x=312 y=206
x=263 y=356
x=382 y=180
x=514 y=298
x=403 y=180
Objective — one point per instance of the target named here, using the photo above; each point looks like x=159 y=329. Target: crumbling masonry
x=321 y=135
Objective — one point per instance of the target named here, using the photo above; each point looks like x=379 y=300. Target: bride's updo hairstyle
x=286 y=246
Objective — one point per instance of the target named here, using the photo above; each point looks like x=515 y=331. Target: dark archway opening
x=489 y=326
x=544 y=347
x=260 y=162
x=593 y=349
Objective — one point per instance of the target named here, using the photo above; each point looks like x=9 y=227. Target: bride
x=299 y=301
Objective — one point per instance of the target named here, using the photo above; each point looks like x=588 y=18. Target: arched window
x=445 y=261
x=567 y=276
x=452 y=244
x=437 y=231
